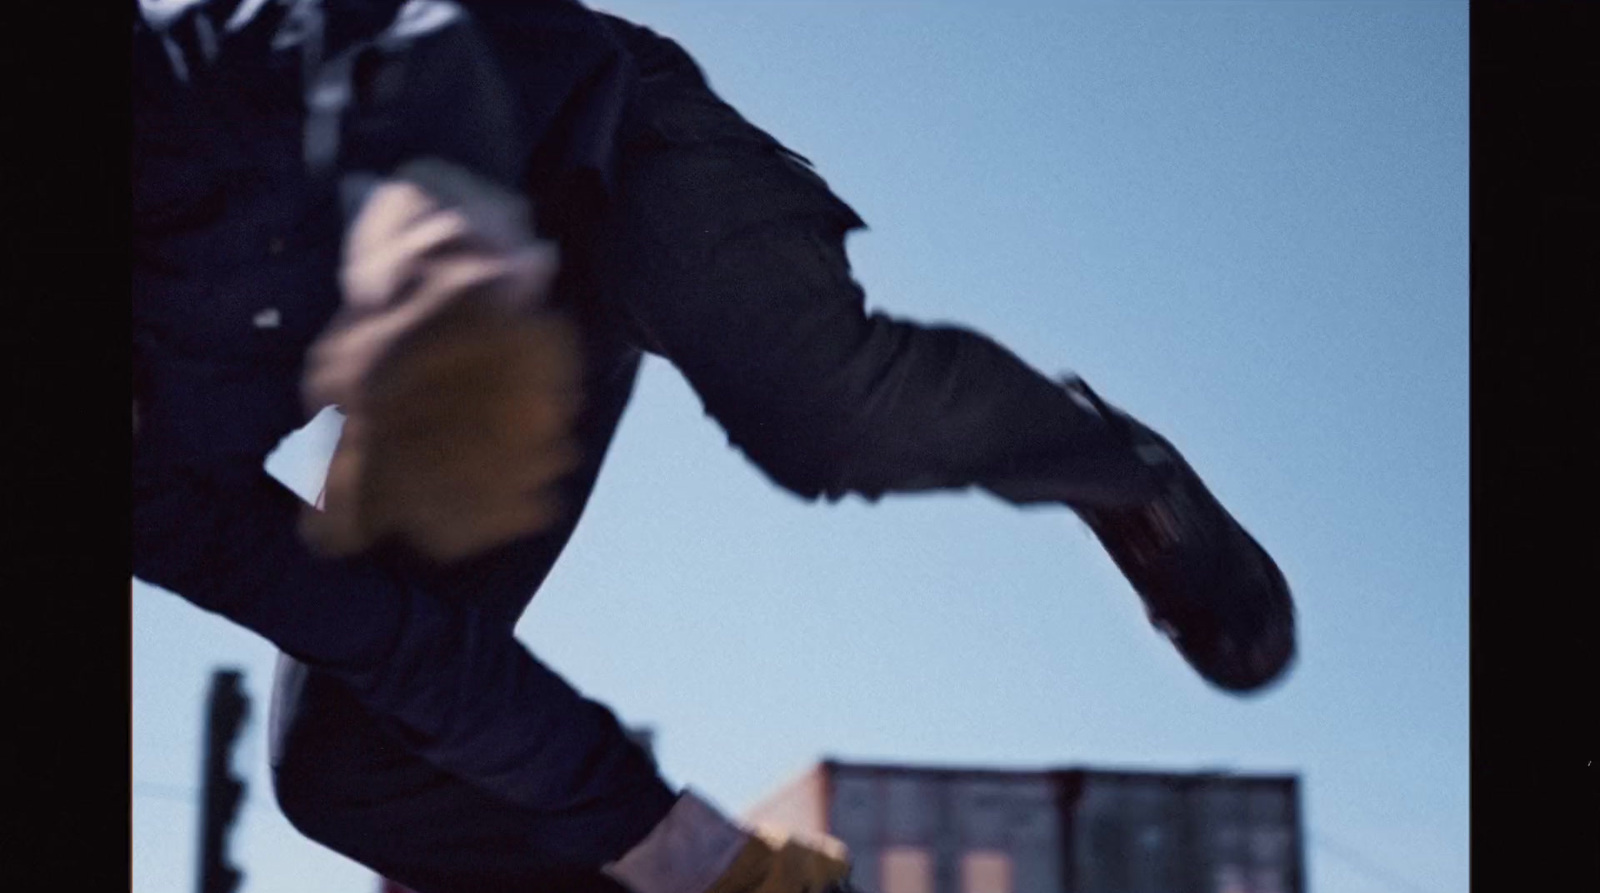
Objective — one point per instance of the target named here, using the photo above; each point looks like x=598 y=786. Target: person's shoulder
x=650 y=49
x=621 y=26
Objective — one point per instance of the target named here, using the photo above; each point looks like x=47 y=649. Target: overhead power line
x=1355 y=860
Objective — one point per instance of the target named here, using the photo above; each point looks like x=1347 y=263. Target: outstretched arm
x=471 y=699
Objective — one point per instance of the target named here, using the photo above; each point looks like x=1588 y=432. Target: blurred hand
x=776 y=862
x=458 y=392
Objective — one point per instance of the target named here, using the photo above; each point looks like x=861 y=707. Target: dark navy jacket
x=235 y=255
x=235 y=246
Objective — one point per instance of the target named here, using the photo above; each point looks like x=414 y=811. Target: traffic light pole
x=222 y=792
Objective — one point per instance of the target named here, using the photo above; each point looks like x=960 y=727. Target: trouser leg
x=725 y=254
x=771 y=330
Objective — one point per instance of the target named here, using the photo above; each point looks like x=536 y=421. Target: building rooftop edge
x=831 y=764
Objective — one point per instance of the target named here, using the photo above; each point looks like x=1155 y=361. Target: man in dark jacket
x=411 y=731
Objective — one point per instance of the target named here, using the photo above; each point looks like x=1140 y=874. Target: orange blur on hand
x=459 y=392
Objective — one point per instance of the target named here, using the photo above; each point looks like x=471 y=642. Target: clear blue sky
x=1245 y=222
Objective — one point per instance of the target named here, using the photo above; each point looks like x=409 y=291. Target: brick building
x=1076 y=830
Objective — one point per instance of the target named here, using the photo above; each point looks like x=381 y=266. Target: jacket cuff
x=686 y=853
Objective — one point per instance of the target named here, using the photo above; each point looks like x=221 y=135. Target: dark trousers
x=724 y=254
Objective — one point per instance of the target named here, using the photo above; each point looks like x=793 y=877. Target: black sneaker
x=1206 y=583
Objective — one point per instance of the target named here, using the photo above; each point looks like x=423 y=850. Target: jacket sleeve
x=470 y=698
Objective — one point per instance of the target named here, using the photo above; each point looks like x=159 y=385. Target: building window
x=1269 y=846
x=1235 y=879
x=1229 y=879
x=905 y=869
x=1266 y=880
x=986 y=871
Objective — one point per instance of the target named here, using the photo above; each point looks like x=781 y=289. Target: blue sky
x=1245 y=222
